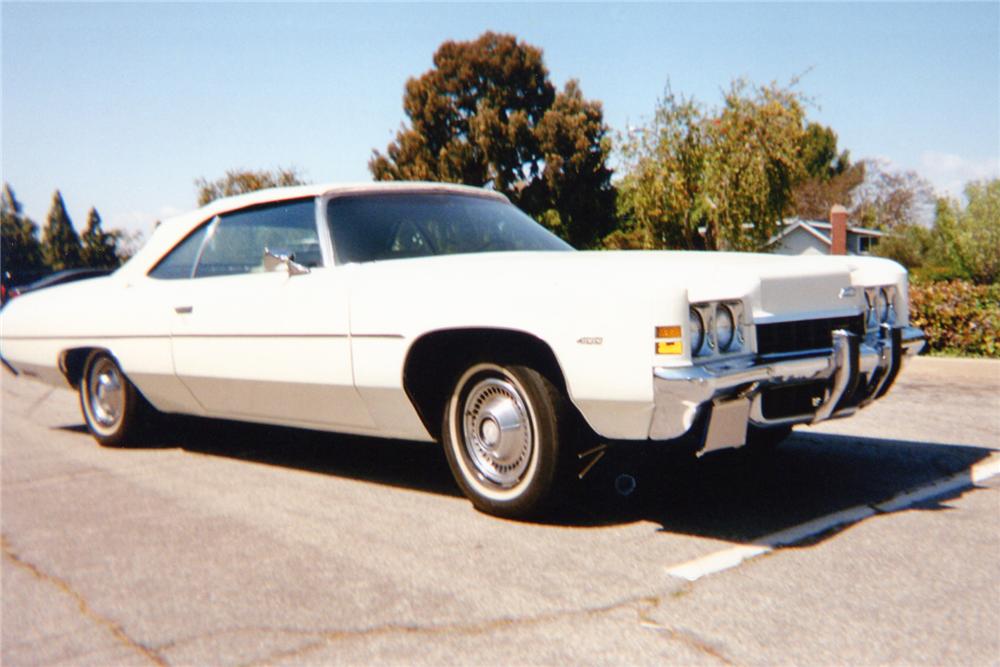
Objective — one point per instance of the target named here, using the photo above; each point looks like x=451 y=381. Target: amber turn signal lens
x=669 y=347
x=668 y=332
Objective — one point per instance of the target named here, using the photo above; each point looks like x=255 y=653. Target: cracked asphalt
x=227 y=544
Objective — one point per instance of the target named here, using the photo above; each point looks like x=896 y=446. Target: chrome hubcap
x=497 y=430
x=105 y=393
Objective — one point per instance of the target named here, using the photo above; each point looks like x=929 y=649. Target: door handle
x=183 y=310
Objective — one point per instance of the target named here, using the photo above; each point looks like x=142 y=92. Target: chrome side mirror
x=277 y=259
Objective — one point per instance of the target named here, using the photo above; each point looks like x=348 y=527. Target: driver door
x=263 y=343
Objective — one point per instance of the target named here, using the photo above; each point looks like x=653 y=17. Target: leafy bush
x=907 y=244
x=970 y=237
x=958 y=316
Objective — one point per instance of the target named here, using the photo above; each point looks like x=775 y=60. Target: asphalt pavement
x=870 y=540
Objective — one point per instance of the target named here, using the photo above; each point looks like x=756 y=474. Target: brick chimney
x=838 y=230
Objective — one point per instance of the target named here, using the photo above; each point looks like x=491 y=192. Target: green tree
x=574 y=195
x=487 y=115
x=970 y=237
x=729 y=172
x=752 y=165
x=828 y=176
x=818 y=151
x=20 y=249
x=240 y=181
x=60 y=242
x=660 y=200
x=99 y=248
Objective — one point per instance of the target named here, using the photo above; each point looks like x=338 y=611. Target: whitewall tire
x=501 y=435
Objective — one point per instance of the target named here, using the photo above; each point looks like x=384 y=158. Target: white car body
x=329 y=349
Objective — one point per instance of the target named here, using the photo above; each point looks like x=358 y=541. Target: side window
x=238 y=241
x=179 y=262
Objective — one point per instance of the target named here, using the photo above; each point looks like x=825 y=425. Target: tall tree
x=828 y=176
x=60 y=242
x=99 y=248
x=818 y=150
x=20 y=249
x=752 y=165
x=240 y=181
x=813 y=197
x=574 y=196
x=887 y=199
x=487 y=115
x=729 y=173
x=661 y=201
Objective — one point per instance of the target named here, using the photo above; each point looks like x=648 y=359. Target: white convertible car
x=438 y=312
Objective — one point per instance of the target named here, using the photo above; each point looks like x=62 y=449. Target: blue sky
x=122 y=106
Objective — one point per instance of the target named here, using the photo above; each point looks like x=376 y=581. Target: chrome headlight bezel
x=696 y=331
x=725 y=328
x=714 y=342
x=880 y=306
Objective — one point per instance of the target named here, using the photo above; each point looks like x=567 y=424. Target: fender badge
x=846 y=292
x=590 y=340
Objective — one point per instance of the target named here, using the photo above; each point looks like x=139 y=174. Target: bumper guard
x=732 y=390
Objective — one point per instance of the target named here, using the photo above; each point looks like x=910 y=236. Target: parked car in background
x=57 y=278
x=435 y=312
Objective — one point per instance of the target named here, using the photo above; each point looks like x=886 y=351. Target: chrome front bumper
x=730 y=394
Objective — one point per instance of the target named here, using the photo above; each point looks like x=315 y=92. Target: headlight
x=871 y=316
x=696 y=328
x=725 y=328
x=882 y=305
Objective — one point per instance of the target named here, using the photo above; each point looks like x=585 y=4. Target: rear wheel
x=502 y=437
x=114 y=409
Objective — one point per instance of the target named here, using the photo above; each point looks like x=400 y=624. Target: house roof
x=819 y=229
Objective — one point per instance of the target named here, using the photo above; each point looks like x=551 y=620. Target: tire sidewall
x=530 y=491
x=116 y=435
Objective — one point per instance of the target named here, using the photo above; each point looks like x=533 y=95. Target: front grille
x=804 y=334
x=792 y=400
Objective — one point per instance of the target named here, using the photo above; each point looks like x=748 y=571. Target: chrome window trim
x=217 y=220
x=323 y=229
x=209 y=233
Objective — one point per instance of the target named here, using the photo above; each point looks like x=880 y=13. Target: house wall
x=854 y=244
x=801 y=242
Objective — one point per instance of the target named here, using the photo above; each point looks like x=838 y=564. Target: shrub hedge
x=958 y=317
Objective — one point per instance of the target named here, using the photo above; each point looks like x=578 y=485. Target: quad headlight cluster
x=716 y=328
x=880 y=306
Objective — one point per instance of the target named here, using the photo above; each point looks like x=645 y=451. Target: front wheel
x=501 y=435
x=114 y=409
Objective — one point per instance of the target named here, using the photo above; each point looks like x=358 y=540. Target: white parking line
x=733 y=556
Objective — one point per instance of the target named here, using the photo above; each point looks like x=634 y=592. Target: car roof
x=170 y=231
x=67 y=274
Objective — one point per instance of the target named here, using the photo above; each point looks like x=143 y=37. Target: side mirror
x=278 y=259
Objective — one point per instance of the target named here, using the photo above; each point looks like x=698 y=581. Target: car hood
x=774 y=285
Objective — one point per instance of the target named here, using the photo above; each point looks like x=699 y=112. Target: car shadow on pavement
x=415 y=465
x=728 y=495
x=738 y=497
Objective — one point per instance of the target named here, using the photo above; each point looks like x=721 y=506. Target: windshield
x=371 y=227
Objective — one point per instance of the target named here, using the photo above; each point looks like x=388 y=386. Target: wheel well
x=71 y=364
x=435 y=361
